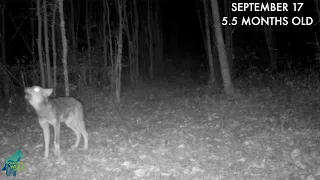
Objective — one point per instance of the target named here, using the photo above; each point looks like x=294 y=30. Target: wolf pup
x=54 y=111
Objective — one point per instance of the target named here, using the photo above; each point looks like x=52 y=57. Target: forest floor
x=179 y=130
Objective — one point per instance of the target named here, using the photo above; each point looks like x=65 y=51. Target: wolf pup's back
x=54 y=111
x=63 y=107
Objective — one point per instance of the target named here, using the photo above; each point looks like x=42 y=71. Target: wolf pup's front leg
x=46 y=133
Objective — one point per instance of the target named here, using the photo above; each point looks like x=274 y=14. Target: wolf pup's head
x=36 y=95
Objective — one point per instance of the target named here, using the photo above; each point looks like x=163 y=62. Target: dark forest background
x=180 y=41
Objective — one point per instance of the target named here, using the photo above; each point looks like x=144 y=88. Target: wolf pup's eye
x=36 y=89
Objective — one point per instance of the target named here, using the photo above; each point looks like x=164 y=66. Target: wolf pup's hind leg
x=85 y=137
x=56 y=127
x=76 y=122
x=82 y=128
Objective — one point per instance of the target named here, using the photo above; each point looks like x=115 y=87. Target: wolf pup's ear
x=47 y=92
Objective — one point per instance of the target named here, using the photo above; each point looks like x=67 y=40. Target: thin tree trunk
x=40 y=44
x=136 y=35
x=23 y=79
x=127 y=27
x=65 y=48
x=6 y=87
x=73 y=35
x=77 y=22
x=105 y=45
x=54 y=51
x=204 y=39
x=132 y=23
x=34 y=79
x=88 y=40
x=32 y=35
x=228 y=85
x=150 y=36
x=271 y=44
x=111 y=52
x=209 y=43
x=201 y=25
x=119 y=52
x=158 y=42
x=46 y=42
x=228 y=34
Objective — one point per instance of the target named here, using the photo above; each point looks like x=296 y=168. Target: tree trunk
x=228 y=34
x=119 y=52
x=128 y=26
x=3 y=61
x=111 y=52
x=104 y=43
x=46 y=42
x=40 y=44
x=54 y=51
x=209 y=42
x=88 y=41
x=23 y=79
x=228 y=85
x=136 y=36
x=65 y=48
x=73 y=34
x=150 y=38
x=131 y=25
x=204 y=38
x=271 y=44
x=32 y=35
x=158 y=37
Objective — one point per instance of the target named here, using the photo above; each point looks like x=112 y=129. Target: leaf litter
x=177 y=132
